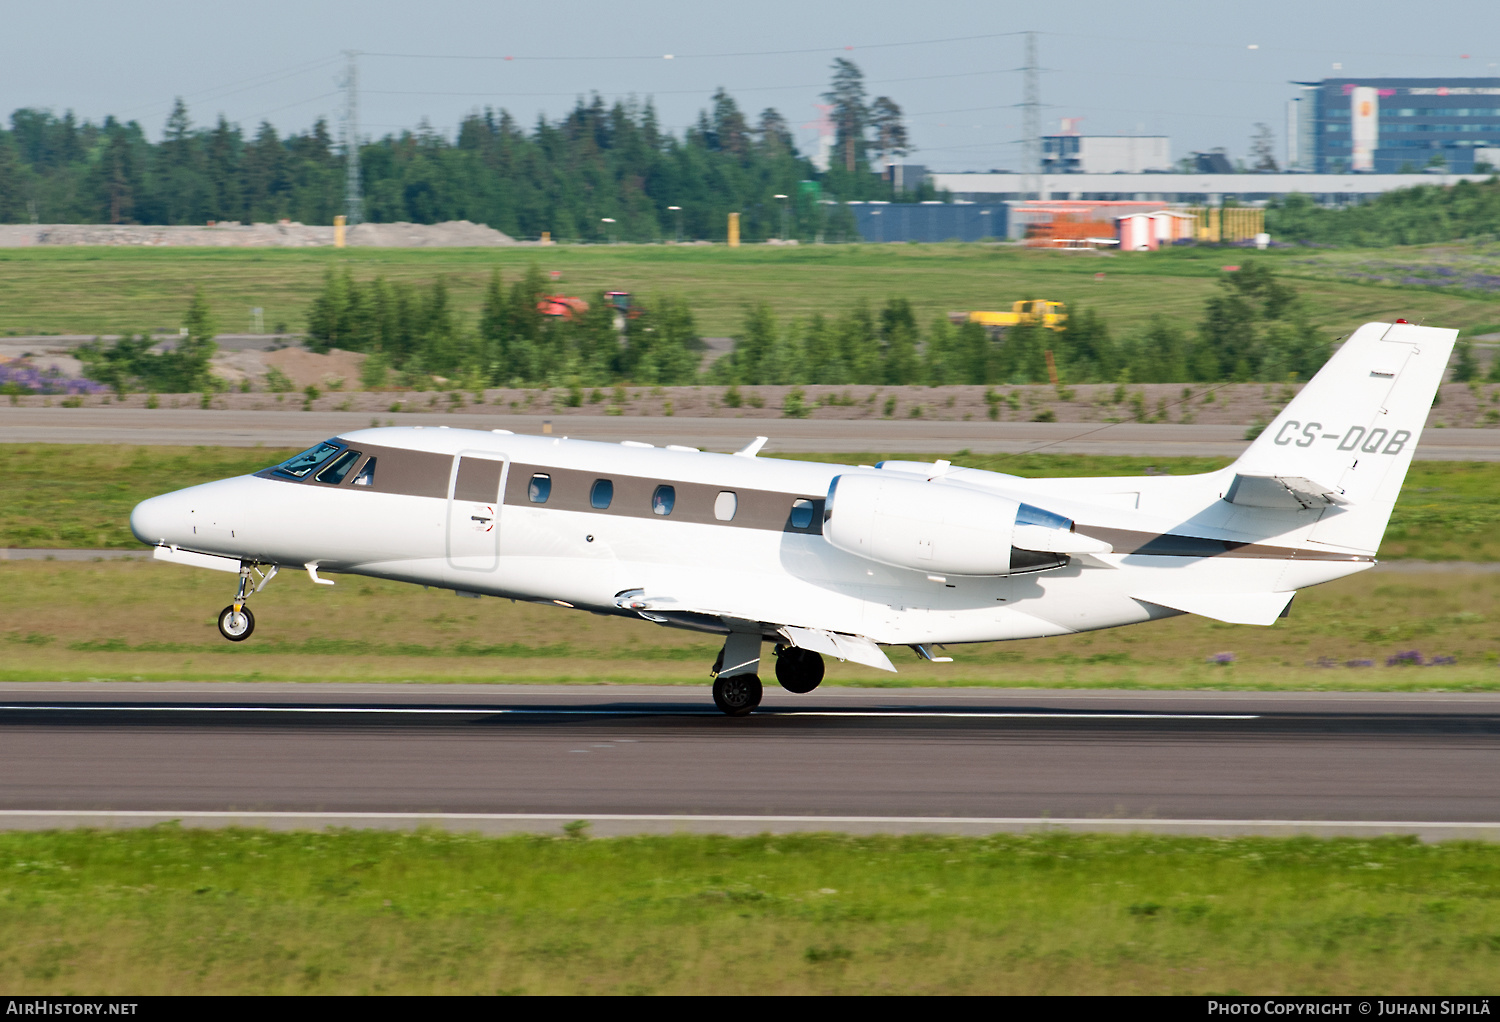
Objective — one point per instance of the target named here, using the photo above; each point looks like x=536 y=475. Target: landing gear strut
x=236 y=623
x=737 y=687
x=799 y=670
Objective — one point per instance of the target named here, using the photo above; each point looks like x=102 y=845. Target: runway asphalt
x=644 y=759
x=173 y=426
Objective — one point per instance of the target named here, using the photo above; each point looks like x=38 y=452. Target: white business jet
x=831 y=560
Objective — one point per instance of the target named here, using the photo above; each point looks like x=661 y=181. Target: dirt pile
x=333 y=371
x=453 y=234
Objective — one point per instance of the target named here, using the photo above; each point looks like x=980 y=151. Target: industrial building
x=1105 y=154
x=1394 y=125
x=930 y=221
x=1134 y=225
x=1191 y=189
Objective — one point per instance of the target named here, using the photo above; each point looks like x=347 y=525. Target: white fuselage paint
x=586 y=559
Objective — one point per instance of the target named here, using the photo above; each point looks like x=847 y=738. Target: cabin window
x=338 y=468
x=539 y=489
x=308 y=460
x=366 y=475
x=802 y=513
x=663 y=499
x=602 y=494
x=725 y=505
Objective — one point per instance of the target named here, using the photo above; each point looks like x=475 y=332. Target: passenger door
x=474 y=492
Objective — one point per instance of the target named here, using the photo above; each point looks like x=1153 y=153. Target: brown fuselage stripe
x=424 y=474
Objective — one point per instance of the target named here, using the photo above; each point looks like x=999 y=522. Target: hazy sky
x=1185 y=69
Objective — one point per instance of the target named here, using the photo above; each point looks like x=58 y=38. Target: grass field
x=171 y=911
x=142 y=620
x=102 y=290
x=80 y=496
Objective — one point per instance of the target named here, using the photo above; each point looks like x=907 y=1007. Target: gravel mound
x=453 y=234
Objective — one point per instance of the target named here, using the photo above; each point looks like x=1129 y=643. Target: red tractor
x=569 y=308
x=562 y=307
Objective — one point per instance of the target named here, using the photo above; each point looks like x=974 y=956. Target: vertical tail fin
x=1347 y=439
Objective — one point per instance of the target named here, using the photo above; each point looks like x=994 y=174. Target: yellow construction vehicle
x=1027 y=313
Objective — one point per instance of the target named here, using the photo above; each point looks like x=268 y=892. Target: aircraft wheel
x=236 y=627
x=738 y=695
x=798 y=670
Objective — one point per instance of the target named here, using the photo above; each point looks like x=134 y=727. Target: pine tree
x=891 y=140
x=898 y=331
x=1465 y=365
x=940 y=364
x=494 y=329
x=850 y=115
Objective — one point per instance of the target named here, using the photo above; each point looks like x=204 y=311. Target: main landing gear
x=799 y=670
x=737 y=686
x=236 y=623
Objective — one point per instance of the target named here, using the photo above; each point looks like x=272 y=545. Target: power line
x=256 y=81
x=693 y=56
x=677 y=92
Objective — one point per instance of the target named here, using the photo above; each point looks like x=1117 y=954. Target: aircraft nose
x=159 y=520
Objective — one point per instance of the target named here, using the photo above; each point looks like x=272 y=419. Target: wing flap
x=856 y=648
x=839 y=645
x=1232 y=608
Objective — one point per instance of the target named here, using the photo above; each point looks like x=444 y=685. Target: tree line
x=566 y=176
x=1405 y=216
x=1255 y=328
x=411 y=334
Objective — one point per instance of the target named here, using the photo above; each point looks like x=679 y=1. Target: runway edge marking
x=700 y=822
x=644 y=711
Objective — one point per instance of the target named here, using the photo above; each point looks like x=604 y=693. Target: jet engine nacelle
x=945 y=530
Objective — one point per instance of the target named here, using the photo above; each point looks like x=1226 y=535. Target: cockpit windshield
x=302 y=464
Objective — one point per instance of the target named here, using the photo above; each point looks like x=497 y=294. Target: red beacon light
x=1401 y=321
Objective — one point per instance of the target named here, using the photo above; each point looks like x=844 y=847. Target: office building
x=1395 y=125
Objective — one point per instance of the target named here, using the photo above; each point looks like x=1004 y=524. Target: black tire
x=798 y=670
x=227 y=626
x=738 y=695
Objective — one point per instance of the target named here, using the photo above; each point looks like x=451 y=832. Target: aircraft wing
x=840 y=645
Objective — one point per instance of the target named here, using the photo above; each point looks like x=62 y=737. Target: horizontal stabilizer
x=1293 y=493
x=836 y=644
x=1234 y=608
x=1056 y=541
x=193 y=559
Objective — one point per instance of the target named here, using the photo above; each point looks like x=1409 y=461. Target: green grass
x=79 y=496
x=94 y=290
x=145 y=621
x=173 y=911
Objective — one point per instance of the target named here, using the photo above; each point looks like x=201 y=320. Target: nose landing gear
x=236 y=623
